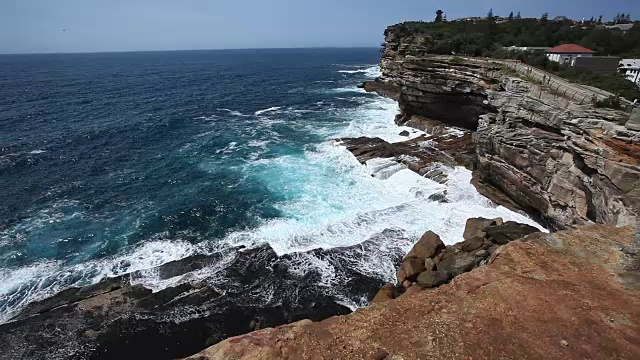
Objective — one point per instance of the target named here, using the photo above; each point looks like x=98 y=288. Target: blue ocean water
x=112 y=163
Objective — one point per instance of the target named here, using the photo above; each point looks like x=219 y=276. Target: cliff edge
x=569 y=295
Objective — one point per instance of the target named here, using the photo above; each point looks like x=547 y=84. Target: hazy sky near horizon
x=36 y=26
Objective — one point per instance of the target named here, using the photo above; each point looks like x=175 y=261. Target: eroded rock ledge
x=568 y=295
x=537 y=150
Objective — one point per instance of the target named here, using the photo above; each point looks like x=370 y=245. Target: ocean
x=115 y=163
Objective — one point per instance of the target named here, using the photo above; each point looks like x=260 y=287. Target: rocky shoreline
x=533 y=150
x=537 y=150
x=530 y=149
x=120 y=319
x=567 y=295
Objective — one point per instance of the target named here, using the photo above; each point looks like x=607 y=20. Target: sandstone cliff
x=539 y=147
x=569 y=295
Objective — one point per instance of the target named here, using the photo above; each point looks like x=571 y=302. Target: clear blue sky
x=28 y=26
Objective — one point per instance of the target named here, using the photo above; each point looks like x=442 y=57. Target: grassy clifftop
x=485 y=37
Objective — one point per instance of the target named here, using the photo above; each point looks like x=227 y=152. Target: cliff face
x=447 y=89
x=538 y=148
x=501 y=310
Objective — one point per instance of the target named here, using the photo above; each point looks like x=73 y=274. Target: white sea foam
x=372 y=71
x=20 y=286
x=351 y=89
x=232 y=112
x=260 y=112
x=333 y=201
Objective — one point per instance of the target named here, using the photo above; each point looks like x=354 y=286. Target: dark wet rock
x=404 y=133
x=119 y=319
x=422 y=154
x=431 y=279
x=472 y=244
x=509 y=231
x=456 y=264
x=439 y=197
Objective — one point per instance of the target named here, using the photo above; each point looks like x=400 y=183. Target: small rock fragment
x=564 y=343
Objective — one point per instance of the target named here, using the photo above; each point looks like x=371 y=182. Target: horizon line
x=177 y=50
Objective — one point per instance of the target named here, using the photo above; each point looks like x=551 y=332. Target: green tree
x=600 y=20
x=518 y=17
x=511 y=16
x=439 y=16
x=490 y=14
x=544 y=18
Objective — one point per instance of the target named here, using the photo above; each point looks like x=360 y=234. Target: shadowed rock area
x=568 y=295
x=240 y=291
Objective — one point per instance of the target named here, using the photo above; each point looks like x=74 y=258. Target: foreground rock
x=568 y=295
x=430 y=263
x=240 y=291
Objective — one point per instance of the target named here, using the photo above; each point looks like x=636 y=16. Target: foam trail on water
x=274 y=108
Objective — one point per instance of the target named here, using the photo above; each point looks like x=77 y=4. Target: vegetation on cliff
x=489 y=36
x=485 y=36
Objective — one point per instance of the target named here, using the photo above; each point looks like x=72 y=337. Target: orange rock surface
x=569 y=295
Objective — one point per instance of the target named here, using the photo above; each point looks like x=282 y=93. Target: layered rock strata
x=537 y=150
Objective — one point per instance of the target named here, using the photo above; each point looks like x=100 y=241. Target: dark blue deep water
x=113 y=164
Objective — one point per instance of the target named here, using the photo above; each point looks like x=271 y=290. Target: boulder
x=388 y=292
x=404 y=133
x=410 y=269
x=431 y=279
x=509 y=231
x=456 y=264
x=634 y=120
x=475 y=227
x=428 y=246
x=472 y=244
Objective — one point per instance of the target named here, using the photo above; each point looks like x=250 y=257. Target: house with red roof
x=564 y=54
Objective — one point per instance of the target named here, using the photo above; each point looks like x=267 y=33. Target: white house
x=630 y=68
x=564 y=53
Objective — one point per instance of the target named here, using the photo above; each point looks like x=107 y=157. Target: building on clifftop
x=564 y=53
